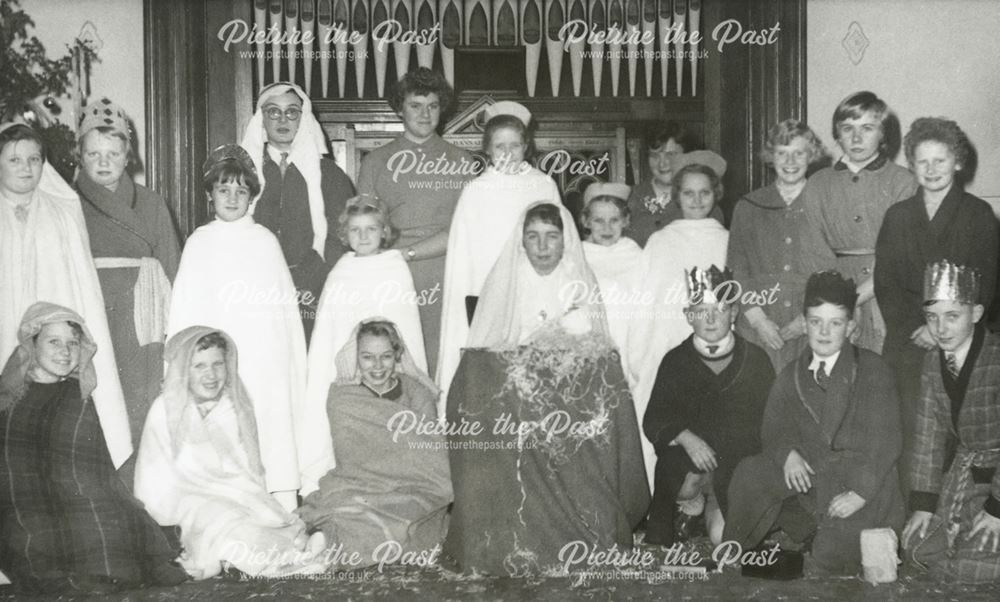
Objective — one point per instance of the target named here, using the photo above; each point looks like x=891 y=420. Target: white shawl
x=48 y=258
x=619 y=270
x=307 y=149
x=205 y=484
x=357 y=288
x=488 y=210
x=505 y=316
x=233 y=277
x=678 y=246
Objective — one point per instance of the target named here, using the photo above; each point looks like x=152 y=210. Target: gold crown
x=946 y=281
x=708 y=285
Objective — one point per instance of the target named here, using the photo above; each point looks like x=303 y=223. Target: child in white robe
x=617 y=263
x=370 y=280
x=487 y=211
x=199 y=467
x=697 y=240
x=233 y=277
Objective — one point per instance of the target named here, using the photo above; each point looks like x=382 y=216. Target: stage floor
x=411 y=583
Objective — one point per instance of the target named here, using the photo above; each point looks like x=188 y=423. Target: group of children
x=827 y=443
x=751 y=354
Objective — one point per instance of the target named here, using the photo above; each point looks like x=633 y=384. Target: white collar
x=830 y=362
x=724 y=346
x=275 y=154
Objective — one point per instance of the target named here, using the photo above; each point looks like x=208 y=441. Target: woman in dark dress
x=940 y=221
x=67 y=521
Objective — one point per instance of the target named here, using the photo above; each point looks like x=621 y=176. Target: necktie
x=284 y=164
x=822 y=378
x=952 y=364
x=712 y=349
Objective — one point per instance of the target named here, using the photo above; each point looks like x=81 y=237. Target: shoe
x=658 y=537
x=788 y=565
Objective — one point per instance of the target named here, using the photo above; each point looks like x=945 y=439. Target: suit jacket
x=849 y=434
x=977 y=431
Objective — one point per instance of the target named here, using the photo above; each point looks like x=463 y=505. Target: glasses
x=291 y=114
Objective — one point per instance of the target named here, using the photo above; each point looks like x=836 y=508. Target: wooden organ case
x=596 y=74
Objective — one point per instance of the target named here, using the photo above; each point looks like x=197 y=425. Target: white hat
x=615 y=189
x=507 y=107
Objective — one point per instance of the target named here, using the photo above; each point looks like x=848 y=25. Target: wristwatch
x=411 y=254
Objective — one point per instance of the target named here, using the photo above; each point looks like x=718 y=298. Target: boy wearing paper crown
x=831 y=439
x=704 y=413
x=954 y=527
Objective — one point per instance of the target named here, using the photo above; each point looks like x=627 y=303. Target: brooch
x=655 y=204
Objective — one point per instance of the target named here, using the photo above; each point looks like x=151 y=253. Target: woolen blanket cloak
x=65 y=515
x=391 y=485
x=131 y=222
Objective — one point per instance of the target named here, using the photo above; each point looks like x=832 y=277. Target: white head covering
x=177 y=397
x=347 y=359
x=702 y=157
x=307 y=149
x=51 y=182
x=507 y=107
x=619 y=190
x=497 y=321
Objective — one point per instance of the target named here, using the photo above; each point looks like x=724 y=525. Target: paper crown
x=229 y=151
x=708 y=285
x=507 y=107
x=946 y=281
x=701 y=157
x=103 y=112
x=615 y=189
x=831 y=287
